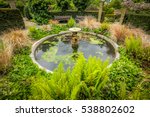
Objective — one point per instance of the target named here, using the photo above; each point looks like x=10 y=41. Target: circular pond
x=50 y=51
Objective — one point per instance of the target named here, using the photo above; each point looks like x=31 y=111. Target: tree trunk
x=12 y=3
x=123 y=13
x=100 y=11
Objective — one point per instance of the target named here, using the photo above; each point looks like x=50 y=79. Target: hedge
x=10 y=18
x=138 y=20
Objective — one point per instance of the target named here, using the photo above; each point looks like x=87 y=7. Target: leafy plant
x=38 y=33
x=64 y=4
x=39 y=10
x=16 y=83
x=124 y=76
x=133 y=46
x=82 y=82
x=81 y=4
x=27 y=12
x=136 y=49
x=71 y=22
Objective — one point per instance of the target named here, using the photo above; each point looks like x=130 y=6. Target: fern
x=122 y=90
x=80 y=92
x=133 y=46
x=84 y=81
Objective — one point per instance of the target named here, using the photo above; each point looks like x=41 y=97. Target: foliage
x=141 y=92
x=133 y=46
x=26 y=12
x=3 y=4
x=16 y=84
x=82 y=82
x=116 y=4
x=138 y=20
x=81 y=4
x=108 y=9
x=136 y=50
x=64 y=4
x=39 y=10
x=37 y=33
x=71 y=22
x=103 y=29
x=124 y=76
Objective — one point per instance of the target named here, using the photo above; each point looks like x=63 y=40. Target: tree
x=63 y=4
x=81 y=5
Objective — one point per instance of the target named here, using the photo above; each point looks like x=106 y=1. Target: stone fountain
x=74 y=38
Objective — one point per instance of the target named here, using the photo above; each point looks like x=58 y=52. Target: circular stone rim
x=36 y=44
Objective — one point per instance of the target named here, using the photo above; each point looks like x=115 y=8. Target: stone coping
x=36 y=44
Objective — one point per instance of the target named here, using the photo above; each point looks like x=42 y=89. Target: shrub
x=103 y=29
x=39 y=10
x=115 y=4
x=63 y=4
x=89 y=22
x=133 y=46
x=16 y=84
x=108 y=9
x=38 y=33
x=104 y=26
x=71 y=22
x=27 y=12
x=137 y=50
x=81 y=4
x=124 y=76
x=4 y=4
x=82 y=82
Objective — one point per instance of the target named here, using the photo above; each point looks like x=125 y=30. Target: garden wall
x=10 y=18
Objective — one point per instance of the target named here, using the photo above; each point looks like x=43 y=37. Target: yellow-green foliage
x=133 y=45
x=85 y=80
x=136 y=49
x=104 y=26
x=71 y=22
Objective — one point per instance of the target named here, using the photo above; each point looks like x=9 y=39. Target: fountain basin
x=48 y=52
